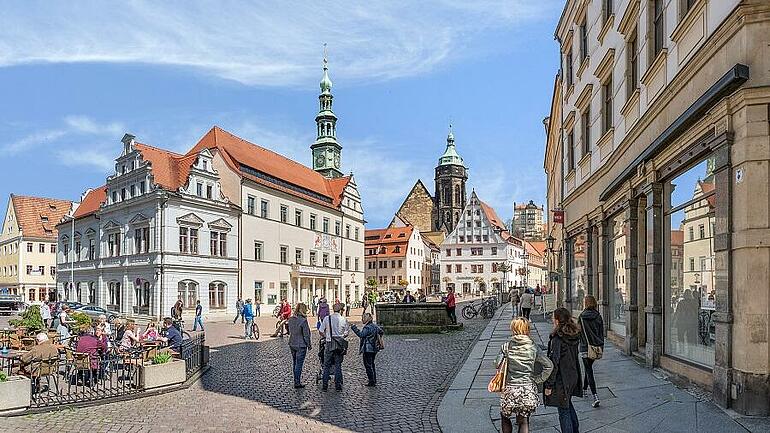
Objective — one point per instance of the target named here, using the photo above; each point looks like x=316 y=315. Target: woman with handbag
x=516 y=378
x=565 y=381
x=591 y=343
x=371 y=343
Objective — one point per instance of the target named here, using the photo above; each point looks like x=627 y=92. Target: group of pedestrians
x=522 y=302
x=560 y=374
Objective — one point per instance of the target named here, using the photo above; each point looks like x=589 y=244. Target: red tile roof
x=536 y=247
x=238 y=152
x=389 y=239
x=91 y=202
x=677 y=237
x=707 y=187
x=37 y=216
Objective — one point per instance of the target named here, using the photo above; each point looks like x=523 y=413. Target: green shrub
x=30 y=319
x=82 y=320
x=3 y=376
x=161 y=358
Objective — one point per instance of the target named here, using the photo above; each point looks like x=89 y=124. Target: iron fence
x=193 y=351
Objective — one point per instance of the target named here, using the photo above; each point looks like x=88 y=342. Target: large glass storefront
x=689 y=294
x=578 y=282
x=618 y=292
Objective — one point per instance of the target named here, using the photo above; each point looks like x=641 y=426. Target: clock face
x=336 y=161
x=319 y=160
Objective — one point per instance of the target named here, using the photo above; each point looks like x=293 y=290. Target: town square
x=491 y=216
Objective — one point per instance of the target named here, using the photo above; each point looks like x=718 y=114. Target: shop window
x=577 y=283
x=689 y=293
x=618 y=293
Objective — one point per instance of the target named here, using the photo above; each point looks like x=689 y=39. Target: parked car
x=94 y=312
x=11 y=304
x=72 y=304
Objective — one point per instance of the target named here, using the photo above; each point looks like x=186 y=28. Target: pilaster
x=631 y=263
x=654 y=271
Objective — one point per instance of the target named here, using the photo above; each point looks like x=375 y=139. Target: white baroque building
x=159 y=230
x=472 y=253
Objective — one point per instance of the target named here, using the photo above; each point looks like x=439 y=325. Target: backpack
x=379 y=342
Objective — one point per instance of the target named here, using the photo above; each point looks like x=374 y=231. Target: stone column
x=654 y=272
x=590 y=266
x=631 y=263
x=313 y=285
x=723 y=316
x=602 y=288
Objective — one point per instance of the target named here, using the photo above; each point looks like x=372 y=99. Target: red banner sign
x=558 y=216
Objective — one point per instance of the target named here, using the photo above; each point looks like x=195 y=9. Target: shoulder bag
x=594 y=352
x=497 y=384
x=337 y=344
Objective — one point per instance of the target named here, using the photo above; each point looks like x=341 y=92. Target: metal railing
x=192 y=351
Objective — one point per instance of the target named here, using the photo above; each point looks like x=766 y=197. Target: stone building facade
x=660 y=100
x=527 y=222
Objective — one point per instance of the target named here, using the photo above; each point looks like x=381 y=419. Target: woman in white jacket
x=527 y=301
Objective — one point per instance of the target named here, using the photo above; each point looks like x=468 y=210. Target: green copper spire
x=326 y=83
x=326 y=151
x=450 y=156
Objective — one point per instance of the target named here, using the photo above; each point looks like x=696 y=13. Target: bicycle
x=255 y=330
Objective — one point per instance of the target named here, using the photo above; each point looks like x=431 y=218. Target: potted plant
x=15 y=392
x=30 y=321
x=163 y=370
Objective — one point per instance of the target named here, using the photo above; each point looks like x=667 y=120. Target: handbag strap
x=585 y=334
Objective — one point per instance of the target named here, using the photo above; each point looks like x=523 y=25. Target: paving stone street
x=248 y=388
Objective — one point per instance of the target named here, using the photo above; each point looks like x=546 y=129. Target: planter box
x=160 y=375
x=15 y=393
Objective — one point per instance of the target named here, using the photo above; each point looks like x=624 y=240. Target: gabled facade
x=472 y=253
x=396 y=259
x=159 y=230
x=28 y=247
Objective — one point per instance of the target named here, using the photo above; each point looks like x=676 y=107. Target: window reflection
x=618 y=283
x=690 y=264
x=578 y=285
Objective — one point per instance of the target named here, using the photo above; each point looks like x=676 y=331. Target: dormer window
x=199 y=190
x=141 y=187
x=209 y=191
x=205 y=165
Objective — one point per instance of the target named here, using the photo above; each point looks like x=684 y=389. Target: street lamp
x=549 y=242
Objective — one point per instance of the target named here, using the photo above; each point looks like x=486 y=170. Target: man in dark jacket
x=565 y=381
x=369 y=346
x=299 y=342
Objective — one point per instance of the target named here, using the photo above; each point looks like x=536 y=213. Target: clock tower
x=451 y=175
x=326 y=150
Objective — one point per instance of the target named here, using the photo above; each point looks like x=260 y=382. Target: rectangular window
x=209 y=191
x=284 y=213
x=122 y=194
x=356 y=264
x=608 y=10
x=284 y=254
x=326 y=225
x=263 y=208
x=448 y=252
x=459 y=252
x=312 y=221
x=347 y=263
x=53 y=248
x=690 y=200
x=41 y=270
x=91 y=249
x=347 y=231
x=337 y=228
x=199 y=189
x=356 y=233
x=448 y=269
x=583 y=34
x=585 y=120
x=691 y=233
x=250 y=205
x=607 y=105
x=569 y=72
x=570 y=151
x=193 y=241
x=29 y=269
x=258 y=251
x=458 y=269
x=633 y=64
x=313 y=258
x=41 y=248
x=298 y=218
x=657 y=28
x=141 y=187
x=325 y=260
x=184 y=239
x=29 y=247
x=76 y=251
x=298 y=256
x=494 y=251
x=337 y=262
x=132 y=188
x=214 y=244
x=53 y=271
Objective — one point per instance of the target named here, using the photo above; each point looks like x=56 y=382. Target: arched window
x=142 y=295
x=113 y=289
x=78 y=292
x=92 y=293
x=217 y=295
x=188 y=293
x=457 y=194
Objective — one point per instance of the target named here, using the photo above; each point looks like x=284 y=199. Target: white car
x=94 y=312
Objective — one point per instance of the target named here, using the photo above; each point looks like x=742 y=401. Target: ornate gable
x=220 y=224
x=418 y=208
x=190 y=220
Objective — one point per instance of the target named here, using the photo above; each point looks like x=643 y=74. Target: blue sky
x=74 y=77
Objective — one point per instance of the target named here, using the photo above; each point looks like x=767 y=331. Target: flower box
x=15 y=393
x=159 y=375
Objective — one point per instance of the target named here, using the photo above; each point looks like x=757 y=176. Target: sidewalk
x=633 y=398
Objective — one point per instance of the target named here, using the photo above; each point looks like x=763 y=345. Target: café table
x=9 y=358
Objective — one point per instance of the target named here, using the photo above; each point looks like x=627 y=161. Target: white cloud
x=86 y=125
x=33 y=140
x=275 y=43
x=103 y=161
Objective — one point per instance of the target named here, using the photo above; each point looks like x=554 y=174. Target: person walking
x=334 y=329
x=527 y=301
x=314 y=310
x=565 y=381
x=347 y=305
x=299 y=342
x=408 y=298
x=372 y=299
x=238 y=310
x=323 y=311
x=257 y=308
x=593 y=334
x=518 y=399
x=283 y=317
x=248 y=316
x=369 y=346
x=451 y=305
x=515 y=299
x=198 y=316
x=176 y=310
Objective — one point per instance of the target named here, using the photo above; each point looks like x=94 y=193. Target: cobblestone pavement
x=248 y=388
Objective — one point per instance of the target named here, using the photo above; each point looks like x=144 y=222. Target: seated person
x=129 y=339
x=173 y=336
x=151 y=333
x=43 y=350
x=94 y=343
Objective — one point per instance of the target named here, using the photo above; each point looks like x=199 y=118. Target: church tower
x=326 y=150
x=451 y=175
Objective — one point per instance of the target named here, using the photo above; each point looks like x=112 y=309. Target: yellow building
x=28 y=247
